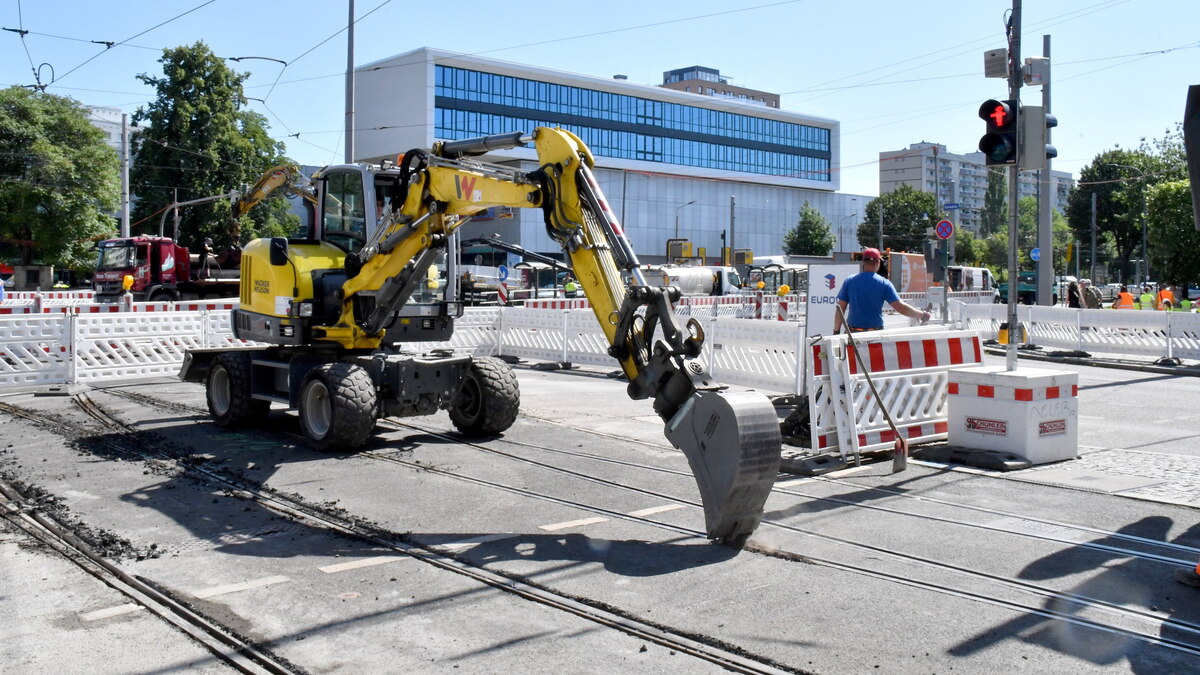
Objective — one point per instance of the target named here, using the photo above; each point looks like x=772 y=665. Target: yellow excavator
x=374 y=271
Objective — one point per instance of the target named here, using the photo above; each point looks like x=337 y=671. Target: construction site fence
x=96 y=343
x=1142 y=334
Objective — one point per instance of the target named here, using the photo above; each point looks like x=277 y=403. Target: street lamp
x=677 y=208
x=1145 y=259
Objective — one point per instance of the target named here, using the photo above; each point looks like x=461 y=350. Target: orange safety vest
x=1124 y=301
x=1164 y=295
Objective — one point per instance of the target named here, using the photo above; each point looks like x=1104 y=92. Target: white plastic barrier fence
x=81 y=295
x=909 y=368
x=140 y=345
x=35 y=350
x=1126 y=332
x=66 y=348
x=766 y=355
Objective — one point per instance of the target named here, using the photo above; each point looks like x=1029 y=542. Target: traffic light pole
x=1014 y=93
x=1045 y=265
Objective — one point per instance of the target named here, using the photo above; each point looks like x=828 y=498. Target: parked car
x=1108 y=292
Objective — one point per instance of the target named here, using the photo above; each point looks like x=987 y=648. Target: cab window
x=343 y=212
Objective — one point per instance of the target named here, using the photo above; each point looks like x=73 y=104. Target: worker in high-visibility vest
x=1165 y=299
x=1124 y=299
x=1146 y=299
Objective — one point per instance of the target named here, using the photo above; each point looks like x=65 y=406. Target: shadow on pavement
x=1115 y=578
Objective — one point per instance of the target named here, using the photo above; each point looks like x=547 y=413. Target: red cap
x=871 y=254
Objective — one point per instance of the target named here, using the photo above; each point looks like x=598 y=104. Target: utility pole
x=124 y=175
x=1014 y=93
x=350 y=85
x=881 y=230
x=1045 y=265
x=729 y=244
x=1093 y=238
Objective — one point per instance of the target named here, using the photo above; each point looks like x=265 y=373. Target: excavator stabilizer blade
x=732 y=442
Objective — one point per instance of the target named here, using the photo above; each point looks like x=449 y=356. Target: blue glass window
x=471 y=103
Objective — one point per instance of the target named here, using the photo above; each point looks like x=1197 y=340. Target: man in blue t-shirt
x=865 y=294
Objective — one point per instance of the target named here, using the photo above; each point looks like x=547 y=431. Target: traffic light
x=999 y=144
x=1035 y=128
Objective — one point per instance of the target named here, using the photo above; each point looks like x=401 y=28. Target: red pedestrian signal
x=999 y=114
x=999 y=144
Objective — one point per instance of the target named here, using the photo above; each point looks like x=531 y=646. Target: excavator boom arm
x=731 y=440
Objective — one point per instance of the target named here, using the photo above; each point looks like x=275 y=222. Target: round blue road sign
x=1035 y=254
x=944 y=229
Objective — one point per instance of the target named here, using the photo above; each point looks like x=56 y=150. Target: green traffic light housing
x=999 y=144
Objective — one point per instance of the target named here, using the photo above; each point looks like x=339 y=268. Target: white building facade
x=961 y=181
x=673 y=164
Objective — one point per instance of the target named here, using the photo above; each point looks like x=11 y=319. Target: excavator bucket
x=732 y=442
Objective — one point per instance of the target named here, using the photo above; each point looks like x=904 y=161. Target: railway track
x=696 y=646
x=221 y=641
x=1055 y=604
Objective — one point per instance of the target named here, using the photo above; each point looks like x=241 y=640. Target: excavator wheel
x=227 y=389
x=337 y=406
x=489 y=399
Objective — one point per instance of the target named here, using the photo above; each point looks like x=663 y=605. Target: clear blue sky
x=893 y=73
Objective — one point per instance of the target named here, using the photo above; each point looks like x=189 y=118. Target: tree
x=994 y=217
x=907 y=214
x=1120 y=179
x=61 y=181
x=1173 y=233
x=201 y=143
x=968 y=250
x=811 y=236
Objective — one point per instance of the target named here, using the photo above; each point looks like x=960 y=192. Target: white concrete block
x=1028 y=412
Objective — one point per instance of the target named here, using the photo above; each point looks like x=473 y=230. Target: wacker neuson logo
x=986 y=426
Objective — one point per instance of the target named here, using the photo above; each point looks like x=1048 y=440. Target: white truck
x=703 y=280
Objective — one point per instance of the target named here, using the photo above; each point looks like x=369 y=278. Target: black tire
x=338 y=404
x=489 y=399
x=161 y=296
x=227 y=389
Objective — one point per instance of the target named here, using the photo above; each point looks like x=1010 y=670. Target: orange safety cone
x=1189 y=577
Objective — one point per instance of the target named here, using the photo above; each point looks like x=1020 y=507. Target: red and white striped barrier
x=51 y=295
x=36 y=307
x=1007 y=393
x=910 y=370
x=574 y=303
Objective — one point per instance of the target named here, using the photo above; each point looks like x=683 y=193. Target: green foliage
x=968 y=250
x=994 y=217
x=811 y=236
x=201 y=143
x=993 y=249
x=61 y=183
x=1173 y=233
x=1121 y=180
x=907 y=214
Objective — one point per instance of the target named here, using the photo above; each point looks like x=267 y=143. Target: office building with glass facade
x=739 y=167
